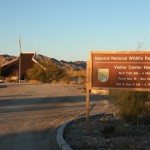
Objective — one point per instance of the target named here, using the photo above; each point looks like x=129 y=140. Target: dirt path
x=30 y=114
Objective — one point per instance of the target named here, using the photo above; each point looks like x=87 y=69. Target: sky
x=70 y=29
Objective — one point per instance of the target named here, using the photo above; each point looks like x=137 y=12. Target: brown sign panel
x=120 y=70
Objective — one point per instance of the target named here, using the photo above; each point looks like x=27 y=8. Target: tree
x=48 y=73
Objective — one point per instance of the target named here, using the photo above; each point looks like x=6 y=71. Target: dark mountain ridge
x=71 y=66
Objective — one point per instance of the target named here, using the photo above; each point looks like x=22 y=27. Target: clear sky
x=70 y=29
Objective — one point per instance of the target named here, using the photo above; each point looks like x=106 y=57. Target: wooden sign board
x=121 y=70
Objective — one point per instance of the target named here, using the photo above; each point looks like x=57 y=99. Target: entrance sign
x=127 y=70
x=117 y=70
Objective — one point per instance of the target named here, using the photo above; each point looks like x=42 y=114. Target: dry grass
x=34 y=82
x=77 y=73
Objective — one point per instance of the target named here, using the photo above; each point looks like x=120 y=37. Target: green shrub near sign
x=132 y=105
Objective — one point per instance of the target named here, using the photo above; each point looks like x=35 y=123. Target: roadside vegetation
x=77 y=76
x=51 y=73
x=48 y=73
x=133 y=106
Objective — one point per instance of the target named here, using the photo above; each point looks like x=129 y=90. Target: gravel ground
x=31 y=113
x=106 y=132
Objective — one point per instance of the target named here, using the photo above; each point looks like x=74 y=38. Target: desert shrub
x=48 y=73
x=131 y=104
x=36 y=73
x=73 y=83
x=77 y=73
x=54 y=72
x=67 y=79
x=81 y=79
x=78 y=76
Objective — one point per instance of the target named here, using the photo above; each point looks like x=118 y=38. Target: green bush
x=131 y=104
x=48 y=73
x=35 y=73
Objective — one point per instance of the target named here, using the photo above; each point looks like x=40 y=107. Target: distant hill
x=6 y=58
x=71 y=66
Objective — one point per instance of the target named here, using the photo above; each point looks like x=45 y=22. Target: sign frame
x=91 y=87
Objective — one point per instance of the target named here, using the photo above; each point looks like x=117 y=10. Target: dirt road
x=30 y=114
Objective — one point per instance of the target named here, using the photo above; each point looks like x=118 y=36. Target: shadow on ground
x=33 y=104
x=31 y=140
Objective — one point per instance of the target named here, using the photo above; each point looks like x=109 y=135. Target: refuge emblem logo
x=103 y=75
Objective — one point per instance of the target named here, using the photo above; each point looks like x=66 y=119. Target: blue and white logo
x=103 y=75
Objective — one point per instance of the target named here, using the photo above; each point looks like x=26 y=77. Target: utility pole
x=19 y=77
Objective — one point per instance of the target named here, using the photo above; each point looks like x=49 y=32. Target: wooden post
x=87 y=96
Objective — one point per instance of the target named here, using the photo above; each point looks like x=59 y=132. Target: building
x=19 y=66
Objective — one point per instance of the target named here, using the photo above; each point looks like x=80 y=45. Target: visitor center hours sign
x=120 y=70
